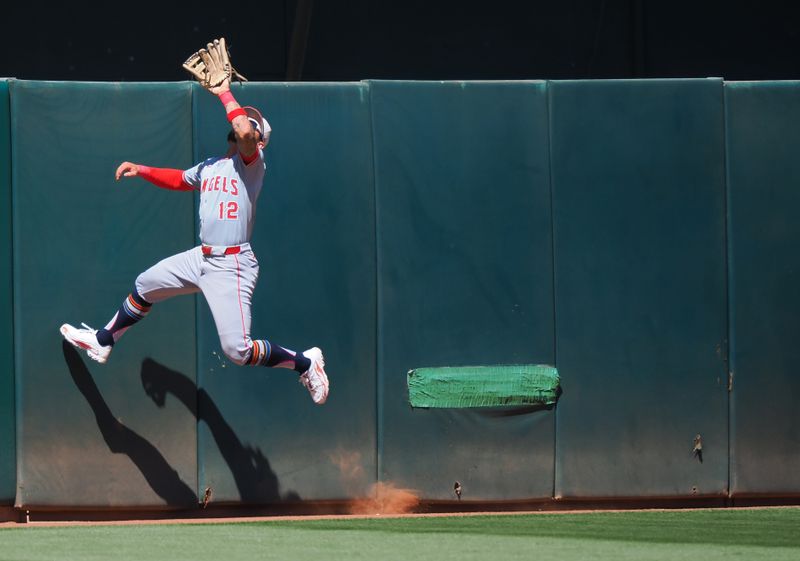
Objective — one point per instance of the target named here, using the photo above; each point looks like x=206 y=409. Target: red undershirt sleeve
x=165 y=178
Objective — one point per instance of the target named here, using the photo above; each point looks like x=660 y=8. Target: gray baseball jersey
x=228 y=189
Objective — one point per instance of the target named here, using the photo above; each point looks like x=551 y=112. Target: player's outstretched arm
x=160 y=177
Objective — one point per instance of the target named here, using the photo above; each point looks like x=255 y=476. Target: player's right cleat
x=86 y=339
x=314 y=379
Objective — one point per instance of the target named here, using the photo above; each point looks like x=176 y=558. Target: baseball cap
x=259 y=122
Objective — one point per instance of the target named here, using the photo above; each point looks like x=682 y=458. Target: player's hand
x=126 y=169
x=225 y=86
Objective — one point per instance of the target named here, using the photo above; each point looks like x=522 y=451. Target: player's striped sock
x=274 y=356
x=133 y=309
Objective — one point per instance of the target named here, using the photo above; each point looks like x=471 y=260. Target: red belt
x=208 y=250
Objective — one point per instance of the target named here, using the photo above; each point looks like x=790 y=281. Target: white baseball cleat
x=314 y=379
x=86 y=339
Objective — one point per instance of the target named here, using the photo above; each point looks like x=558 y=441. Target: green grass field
x=749 y=535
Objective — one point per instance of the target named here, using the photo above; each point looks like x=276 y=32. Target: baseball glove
x=212 y=66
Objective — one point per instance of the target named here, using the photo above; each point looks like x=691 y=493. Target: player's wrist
x=226 y=97
x=232 y=107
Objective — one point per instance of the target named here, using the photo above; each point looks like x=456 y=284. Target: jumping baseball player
x=224 y=267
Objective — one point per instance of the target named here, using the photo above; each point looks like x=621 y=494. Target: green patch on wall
x=483 y=386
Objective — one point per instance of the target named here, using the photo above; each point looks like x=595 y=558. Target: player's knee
x=237 y=352
x=141 y=282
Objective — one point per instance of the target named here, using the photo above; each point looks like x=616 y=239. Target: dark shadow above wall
x=363 y=39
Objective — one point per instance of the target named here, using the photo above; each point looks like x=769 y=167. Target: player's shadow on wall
x=163 y=479
x=255 y=480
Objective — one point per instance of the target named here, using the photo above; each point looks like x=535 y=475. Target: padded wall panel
x=8 y=456
x=465 y=278
x=262 y=439
x=639 y=213
x=90 y=434
x=764 y=200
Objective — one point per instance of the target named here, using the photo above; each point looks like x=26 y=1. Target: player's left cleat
x=86 y=339
x=314 y=379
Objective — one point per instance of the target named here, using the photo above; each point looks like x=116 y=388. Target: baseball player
x=224 y=267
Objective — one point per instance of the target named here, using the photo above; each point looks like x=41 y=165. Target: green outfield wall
x=622 y=231
x=639 y=224
x=465 y=277
x=92 y=435
x=315 y=242
x=8 y=455
x=764 y=277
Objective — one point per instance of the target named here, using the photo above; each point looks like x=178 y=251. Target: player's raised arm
x=212 y=67
x=245 y=134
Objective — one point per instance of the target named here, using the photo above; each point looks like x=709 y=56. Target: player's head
x=260 y=125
